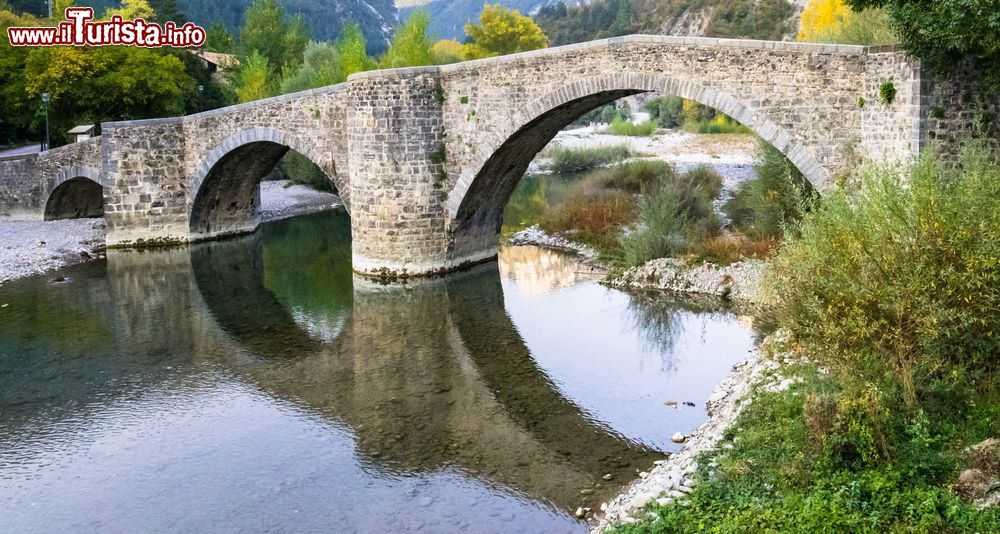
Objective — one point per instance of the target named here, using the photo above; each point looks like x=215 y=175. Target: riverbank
x=34 y=247
x=669 y=482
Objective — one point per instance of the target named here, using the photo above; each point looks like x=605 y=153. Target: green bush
x=667 y=112
x=777 y=194
x=629 y=128
x=634 y=176
x=571 y=160
x=301 y=170
x=604 y=115
x=674 y=213
x=896 y=285
x=720 y=124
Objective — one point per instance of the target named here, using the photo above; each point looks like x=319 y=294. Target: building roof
x=82 y=129
x=219 y=59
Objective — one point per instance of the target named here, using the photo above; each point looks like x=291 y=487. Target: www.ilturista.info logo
x=78 y=30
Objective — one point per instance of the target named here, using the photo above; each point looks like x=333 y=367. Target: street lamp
x=45 y=98
x=201 y=101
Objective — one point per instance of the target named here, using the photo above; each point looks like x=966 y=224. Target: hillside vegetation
x=751 y=19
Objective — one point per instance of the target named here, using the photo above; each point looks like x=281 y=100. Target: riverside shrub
x=675 y=212
x=778 y=194
x=898 y=284
x=572 y=160
x=632 y=129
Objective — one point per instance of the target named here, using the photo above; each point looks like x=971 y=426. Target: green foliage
x=668 y=112
x=861 y=101
x=754 y=19
x=720 y=124
x=604 y=114
x=946 y=33
x=569 y=160
x=632 y=177
x=896 y=284
x=351 y=50
x=751 y=19
x=218 y=39
x=301 y=170
x=320 y=67
x=782 y=471
x=410 y=46
x=254 y=80
x=629 y=128
x=777 y=195
x=675 y=212
x=278 y=39
x=887 y=92
x=503 y=31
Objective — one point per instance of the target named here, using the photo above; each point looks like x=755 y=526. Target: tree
x=833 y=21
x=267 y=31
x=218 y=39
x=352 y=50
x=448 y=51
x=502 y=31
x=130 y=10
x=410 y=46
x=252 y=83
x=321 y=66
x=167 y=10
x=947 y=33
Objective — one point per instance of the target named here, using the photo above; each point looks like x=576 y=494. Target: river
x=254 y=384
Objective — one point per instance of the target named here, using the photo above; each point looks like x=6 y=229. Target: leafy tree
x=253 y=80
x=167 y=10
x=410 y=46
x=321 y=66
x=352 y=50
x=218 y=39
x=503 y=31
x=946 y=33
x=832 y=21
x=448 y=51
x=132 y=9
x=266 y=30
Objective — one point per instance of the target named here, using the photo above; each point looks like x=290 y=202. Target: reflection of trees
x=656 y=317
x=538 y=270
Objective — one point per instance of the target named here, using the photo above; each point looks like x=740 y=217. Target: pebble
x=608 y=476
x=678 y=438
x=587 y=491
x=664 y=501
x=580 y=513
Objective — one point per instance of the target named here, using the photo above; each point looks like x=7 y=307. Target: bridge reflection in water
x=254 y=383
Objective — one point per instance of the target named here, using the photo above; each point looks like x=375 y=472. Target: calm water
x=255 y=385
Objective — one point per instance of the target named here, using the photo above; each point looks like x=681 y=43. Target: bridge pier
x=399 y=223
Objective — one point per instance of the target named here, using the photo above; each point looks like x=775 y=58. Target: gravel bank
x=32 y=247
x=739 y=281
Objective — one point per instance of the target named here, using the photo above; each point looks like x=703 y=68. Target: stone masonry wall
x=396 y=155
x=26 y=182
x=890 y=132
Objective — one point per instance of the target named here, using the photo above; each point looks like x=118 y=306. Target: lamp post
x=50 y=8
x=45 y=99
x=201 y=100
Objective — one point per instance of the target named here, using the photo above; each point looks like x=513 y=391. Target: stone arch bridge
x=426 y=158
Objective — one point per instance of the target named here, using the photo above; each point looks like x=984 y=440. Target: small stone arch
x=622 y=84
x=269 y=135
x=223 y=197
x=75 y=192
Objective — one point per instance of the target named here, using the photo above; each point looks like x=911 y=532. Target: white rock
x=664 y=501
x=678 y=438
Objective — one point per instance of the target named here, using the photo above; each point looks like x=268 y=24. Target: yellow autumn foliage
x=833 y=21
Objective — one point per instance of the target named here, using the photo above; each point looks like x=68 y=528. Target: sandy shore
x=32 y=247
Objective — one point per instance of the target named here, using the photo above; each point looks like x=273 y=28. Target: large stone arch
x=75 y=192
x=223 y=197
x=476 y=202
